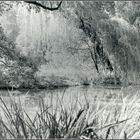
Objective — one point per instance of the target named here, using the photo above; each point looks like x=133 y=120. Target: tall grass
x=88 y=120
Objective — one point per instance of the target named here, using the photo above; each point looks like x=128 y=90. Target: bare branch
x=43 y=6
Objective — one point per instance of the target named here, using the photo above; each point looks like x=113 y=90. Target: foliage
x=15 y=68
x=5 y=6
x=111 y=23
x=102 y=34
x=18 y=76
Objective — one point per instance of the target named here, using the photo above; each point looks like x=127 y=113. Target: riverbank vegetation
x=77 y=43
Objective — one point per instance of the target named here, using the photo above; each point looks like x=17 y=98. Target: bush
x=52 y=81
x=85 y=81
x=108 y=80
x=111 y=81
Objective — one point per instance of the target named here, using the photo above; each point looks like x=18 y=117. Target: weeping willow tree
x=102 y=31
x=112 y=28
x=41 y=37
x=122 y=35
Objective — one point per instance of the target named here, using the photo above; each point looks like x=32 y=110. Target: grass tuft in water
x=96 y=120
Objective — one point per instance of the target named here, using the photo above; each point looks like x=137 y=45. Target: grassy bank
x=107 y=120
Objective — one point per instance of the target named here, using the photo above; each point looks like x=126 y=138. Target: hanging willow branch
x=43 y=6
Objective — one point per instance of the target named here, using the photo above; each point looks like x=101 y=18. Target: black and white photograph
x=70 y=69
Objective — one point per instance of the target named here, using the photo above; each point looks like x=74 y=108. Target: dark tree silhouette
x=43 y=6
x=98 y=56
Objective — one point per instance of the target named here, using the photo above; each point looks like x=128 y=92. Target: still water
x=68 y=97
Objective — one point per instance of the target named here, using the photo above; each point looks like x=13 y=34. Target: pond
x=67 y=97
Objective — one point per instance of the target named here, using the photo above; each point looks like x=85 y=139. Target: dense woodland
x=51 y=44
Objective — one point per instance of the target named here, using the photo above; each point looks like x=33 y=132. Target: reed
x=111 y=120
